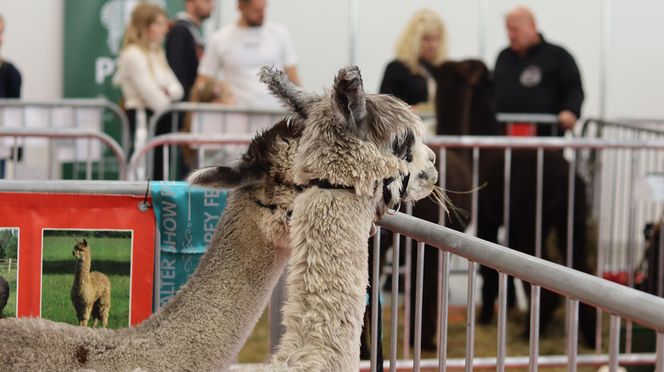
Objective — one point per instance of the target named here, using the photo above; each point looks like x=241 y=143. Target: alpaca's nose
x=430 y=174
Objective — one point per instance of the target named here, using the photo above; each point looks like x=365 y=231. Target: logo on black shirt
x=531 y=76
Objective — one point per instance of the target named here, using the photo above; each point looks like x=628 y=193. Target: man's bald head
x=521 y=29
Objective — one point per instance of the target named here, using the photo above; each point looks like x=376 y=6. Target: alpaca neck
x=211 y=317
x=82 y=273
x=327 y=279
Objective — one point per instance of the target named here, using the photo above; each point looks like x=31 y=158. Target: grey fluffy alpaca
x=4 y=294
x=360 y=154
x=209 y=319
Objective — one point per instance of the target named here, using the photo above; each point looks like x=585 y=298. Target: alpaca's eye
x=409 y=158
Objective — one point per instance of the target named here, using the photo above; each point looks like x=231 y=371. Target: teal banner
x=186 y=220
x=186 y=216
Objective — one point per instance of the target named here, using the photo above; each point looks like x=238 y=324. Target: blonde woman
x=419 y=49
x=148 y=84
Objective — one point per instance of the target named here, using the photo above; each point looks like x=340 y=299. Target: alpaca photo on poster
x=8 y=270
x=86 y=277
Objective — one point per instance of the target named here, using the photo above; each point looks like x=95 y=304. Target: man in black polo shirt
x=184 y=43
x=534 y=76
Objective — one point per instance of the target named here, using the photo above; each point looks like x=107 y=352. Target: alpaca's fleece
x=204 y=326
x=91 y=291
x=358 y=155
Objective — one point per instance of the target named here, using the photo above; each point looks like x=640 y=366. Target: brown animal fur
x=91 y=291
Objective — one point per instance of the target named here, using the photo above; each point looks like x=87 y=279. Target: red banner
x=120 y=238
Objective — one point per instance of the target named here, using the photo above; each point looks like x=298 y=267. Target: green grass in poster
x=110 y=256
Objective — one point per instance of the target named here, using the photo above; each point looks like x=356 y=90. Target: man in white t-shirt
x=235 y=53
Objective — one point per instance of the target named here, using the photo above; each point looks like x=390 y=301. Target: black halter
x=387 y=196
x=271 y=207
x=326 y=184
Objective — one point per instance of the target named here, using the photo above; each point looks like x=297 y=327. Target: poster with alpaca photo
x=8 y=270
x=119 y=233
x=86 y=276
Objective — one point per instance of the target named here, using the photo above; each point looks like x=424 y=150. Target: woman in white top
x=148 y=83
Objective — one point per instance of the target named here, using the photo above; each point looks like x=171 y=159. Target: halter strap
x=326 y=184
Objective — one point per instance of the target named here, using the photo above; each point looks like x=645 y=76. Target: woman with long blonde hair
x=148 y=84
x=419 y=49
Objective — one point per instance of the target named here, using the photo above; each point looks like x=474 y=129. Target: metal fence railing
x=629 y=180
x=620 y=301
x=137 y=162
x=82 y=113
x=80 y=150
x=210 y=119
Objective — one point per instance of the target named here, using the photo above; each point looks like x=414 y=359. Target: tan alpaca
x=91 y=291
x=204 y=326
x=359 y=154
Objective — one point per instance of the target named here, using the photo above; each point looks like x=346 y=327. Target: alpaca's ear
x=294 y=98
x=228 y=177
x=85 y=242
x=348 y=97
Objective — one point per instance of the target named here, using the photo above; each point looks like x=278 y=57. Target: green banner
x=94 y=30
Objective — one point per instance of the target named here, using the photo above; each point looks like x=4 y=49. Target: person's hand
x=567 y=119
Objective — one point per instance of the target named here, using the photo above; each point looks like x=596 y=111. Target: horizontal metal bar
x=75 y=187
x=511 y=117
x=71 y=133
x=609 y=296
x=522 y=362
x=74 y=103
x=67 y=102
x=541 y=142
x=183 y=139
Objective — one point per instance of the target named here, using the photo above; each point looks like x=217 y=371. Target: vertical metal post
x=570 y=210
x=164 y=162
x=375 y=296
x=406 y=272
x=572 y=333
x=538 y=210
x=88 y=163
x=607 y=8
x=354 y=6
x=506 y=194
x=14 y=152
x=470 y=316
x=444 y=291
x=502 y=322
x=394 y=321
x=600 y=252
x=483 y=22
x=475 y=199
x=418 y=306
x=614 y=343
x=534 y=327
x=660 y=264
x=659 y=356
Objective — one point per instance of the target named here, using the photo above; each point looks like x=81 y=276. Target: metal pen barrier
x=509 y=145
x=141 y=155
x=74 y=104
x=608 y=296
x=53 y=134
x=227 y=120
